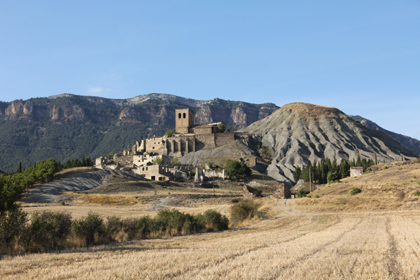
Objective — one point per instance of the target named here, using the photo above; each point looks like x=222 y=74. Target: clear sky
x=362 y=57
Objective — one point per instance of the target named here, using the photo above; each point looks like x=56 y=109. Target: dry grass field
x=286 y=246
x=371 y=235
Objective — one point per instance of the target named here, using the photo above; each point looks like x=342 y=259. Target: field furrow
x=364 y=246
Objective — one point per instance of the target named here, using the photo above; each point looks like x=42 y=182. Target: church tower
x=184 y=120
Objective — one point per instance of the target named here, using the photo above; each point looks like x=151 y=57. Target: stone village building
x=356 y=171
x=186 y=138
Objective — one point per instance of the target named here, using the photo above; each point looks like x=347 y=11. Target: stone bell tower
x=184 y=120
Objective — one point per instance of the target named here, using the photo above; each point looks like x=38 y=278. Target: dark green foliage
x=12 y=228
x=221 y=127
x=19 y=167
x=212 y=221
x=327 y=171
x=137 y=228
x=174 y=222
x=48 y=229
x=169 y=133
x=235 y=200
x=235 y=169
x=10 y=188
x=89 y=229
x=243 y=210
x=417 y=193
x=333 y=177
x=301 y=193
x=114 y=224
x=158 y=160
x=174 y=162
x=355 y=191
x=296 y=174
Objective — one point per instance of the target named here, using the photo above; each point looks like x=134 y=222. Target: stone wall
x=223 y=138
x=139 y=160
x=180 y=145
x=204 y=141
x=250 y=193
x=282 y=191
x=156 y=145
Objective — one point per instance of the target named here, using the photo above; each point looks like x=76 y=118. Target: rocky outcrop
x=67 y=113
x=300 y=133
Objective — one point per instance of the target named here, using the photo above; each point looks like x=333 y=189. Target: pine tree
x=19 y=170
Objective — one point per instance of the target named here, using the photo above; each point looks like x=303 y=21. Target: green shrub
x=221 y=127
x=236 y=169
x=174 y=222
x=317 y=196
x=48 y=230
x=235 y=200
x=355 y=191
x=137 y=228
x=12 y=228
x=417 y=193
x=301 y=193
x=243 y=210
x=212 y=221
x=114 y=224
x=62 y=203
x=90 y=229
x=418 y=183
x=386 y=167
x=169 y=133
x=158 y=160
x=174 y=162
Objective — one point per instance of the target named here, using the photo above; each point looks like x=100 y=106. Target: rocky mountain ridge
x=71 y=126
x=302 y=133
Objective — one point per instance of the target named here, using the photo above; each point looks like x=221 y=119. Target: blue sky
x=362 y=57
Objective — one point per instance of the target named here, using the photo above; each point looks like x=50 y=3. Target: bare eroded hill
x=300 y=133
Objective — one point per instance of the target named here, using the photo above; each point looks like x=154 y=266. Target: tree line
x=327 y=171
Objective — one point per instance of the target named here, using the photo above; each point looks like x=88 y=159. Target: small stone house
x=356 y=171
x=159 y=172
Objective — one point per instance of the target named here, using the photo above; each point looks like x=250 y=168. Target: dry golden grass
x=385 y=189
x=310 y=246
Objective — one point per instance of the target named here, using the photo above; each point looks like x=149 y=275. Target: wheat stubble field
x=287 y=246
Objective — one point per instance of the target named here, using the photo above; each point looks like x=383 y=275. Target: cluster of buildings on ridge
x=186 y=138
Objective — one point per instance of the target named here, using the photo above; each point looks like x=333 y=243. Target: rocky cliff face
x=300 y=133
x=68 y=126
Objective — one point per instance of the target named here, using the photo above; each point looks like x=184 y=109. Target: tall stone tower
x=184 y=120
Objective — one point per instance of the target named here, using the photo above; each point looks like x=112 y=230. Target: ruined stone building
x=186 y=138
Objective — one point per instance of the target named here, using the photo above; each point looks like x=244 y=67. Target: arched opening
x=185 y=115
